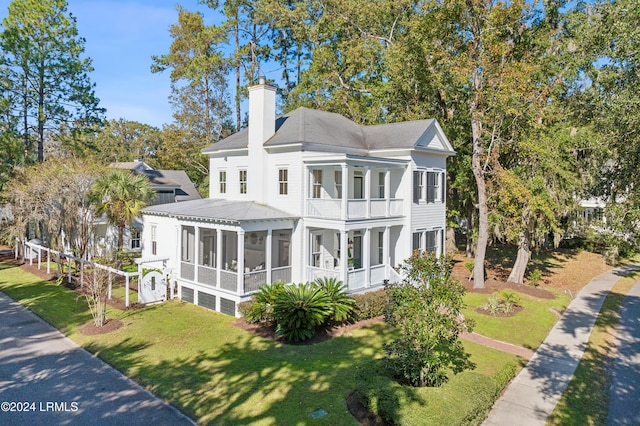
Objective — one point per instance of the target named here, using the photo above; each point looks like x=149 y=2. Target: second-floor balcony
x=354 y=209
x=347 y=191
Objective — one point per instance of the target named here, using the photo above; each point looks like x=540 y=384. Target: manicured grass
x=586 y=399
x=213 y=371
x=537 y=318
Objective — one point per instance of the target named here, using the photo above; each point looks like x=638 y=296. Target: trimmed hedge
x=465 y=399
x=370 y=305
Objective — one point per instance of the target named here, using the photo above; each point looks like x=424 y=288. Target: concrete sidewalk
x=624 y=394
x=46 y=378
x=534 y=393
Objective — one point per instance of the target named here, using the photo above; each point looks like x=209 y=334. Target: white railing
x=329 y=208
x=357 y=209
x=229 y=281
x=207 y=275
x=357 y=279
x=35 y=251
x=378 y=208
x=315 y=273
x=394 y=277
x=378 y=274
x=281 y=274
x=395 y=207
x=187 y=271
x=254 y=280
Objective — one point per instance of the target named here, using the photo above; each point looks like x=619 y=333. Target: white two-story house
x=305 y=195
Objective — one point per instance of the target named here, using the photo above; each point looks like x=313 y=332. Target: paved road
x=533 y=394
x=624 y=396
x=60 y=383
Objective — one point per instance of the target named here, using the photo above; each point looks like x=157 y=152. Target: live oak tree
x=46 y=74
x=612 y=103
x=52 y=198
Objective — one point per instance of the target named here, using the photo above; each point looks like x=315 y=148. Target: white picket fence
x=31 y=251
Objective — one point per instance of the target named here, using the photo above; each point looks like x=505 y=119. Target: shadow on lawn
x=501 y=258
x=253 y=379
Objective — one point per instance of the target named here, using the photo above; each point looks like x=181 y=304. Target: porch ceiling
x=218 y=210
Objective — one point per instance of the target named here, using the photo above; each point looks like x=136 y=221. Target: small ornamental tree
x=426 y=311
x=96 y=292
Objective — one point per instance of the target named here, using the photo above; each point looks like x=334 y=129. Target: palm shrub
x=261 y=308
x=341 y=305
x=299 y=310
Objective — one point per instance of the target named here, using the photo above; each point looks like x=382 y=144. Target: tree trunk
x=120 y=237
x=522 y=259
x=478 y=173
x=451 y=239
x=470 y=225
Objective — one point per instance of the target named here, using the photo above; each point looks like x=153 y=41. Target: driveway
x=46 y=378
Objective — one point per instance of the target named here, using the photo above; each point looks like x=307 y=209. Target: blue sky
x=121 y=36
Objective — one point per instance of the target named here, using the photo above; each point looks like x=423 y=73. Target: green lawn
x=527 y=328
x=211 y=370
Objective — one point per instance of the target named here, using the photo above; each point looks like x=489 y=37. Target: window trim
x=242 y=180
x=283 y=181
x=316 y=183
x=222 y=180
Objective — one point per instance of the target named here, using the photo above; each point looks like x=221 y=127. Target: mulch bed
x=90 y=328
x=514 y=311
x=264 y=331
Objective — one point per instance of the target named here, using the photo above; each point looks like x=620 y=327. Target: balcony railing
x=331 y=208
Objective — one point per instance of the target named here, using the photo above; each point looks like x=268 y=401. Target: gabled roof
x=131 y=165
x=178 y=179
x=309 y=127
x=217 y=210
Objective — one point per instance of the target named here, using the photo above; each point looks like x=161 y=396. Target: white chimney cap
x=262 y=80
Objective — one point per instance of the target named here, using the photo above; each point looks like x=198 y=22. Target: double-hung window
x=223 y=181
x=338 y=182
x=135 y=238
x=316 y=190
x=243 y=181
x=283 y=181
x=433 y=193
x=418 y=185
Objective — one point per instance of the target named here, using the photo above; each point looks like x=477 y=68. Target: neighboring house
x=591 y=210
x=170 y=186
x=306 y=195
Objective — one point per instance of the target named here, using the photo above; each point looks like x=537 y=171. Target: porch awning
x=218 y=210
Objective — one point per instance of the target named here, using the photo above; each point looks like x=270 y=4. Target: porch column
x=367 y=190
x=268 y=254
x=240 y=289
x=218 y=255
x=385 y=250
x=345 y=192
x=196 y=253
x=387 y=190
x=344 y=257
x=367 y=256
